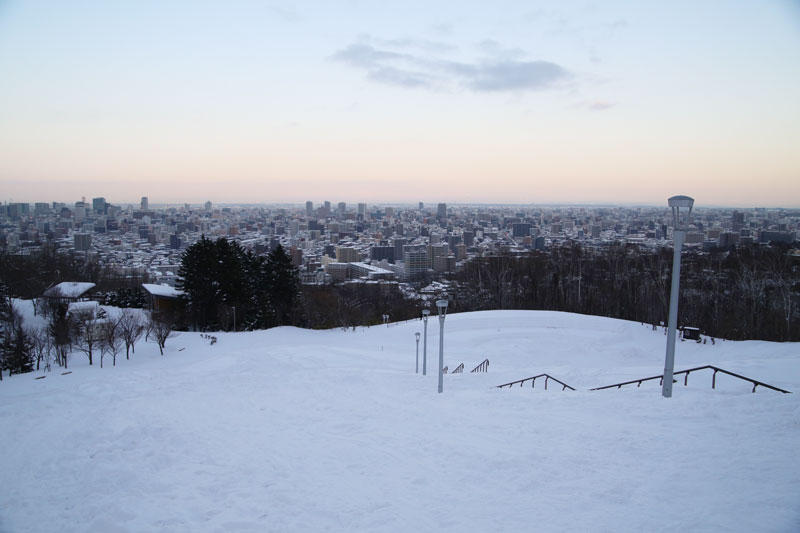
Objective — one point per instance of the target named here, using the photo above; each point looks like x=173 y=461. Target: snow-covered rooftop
x=166 y=291
x=371 y=268
x=69 y=289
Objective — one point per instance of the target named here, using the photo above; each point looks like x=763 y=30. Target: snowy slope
x=295 y=430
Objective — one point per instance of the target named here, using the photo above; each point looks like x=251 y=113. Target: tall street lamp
x=442 y=306
x=681 y=211
x=425 y=314
x=417 y=368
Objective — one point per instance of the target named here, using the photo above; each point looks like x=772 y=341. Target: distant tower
x=362 y=210
x=208 y=205
x=309 y=208
x=327 y=208
x=342 y=208
x=144 y=203
x=441 y=211
x=421 y=206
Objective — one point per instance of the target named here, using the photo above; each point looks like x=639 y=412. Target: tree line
x=744 y=292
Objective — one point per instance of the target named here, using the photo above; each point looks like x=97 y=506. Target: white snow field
x=296 y=430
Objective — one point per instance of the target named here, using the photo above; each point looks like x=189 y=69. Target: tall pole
x=680 y=223
x=669 y=361
x=442 y=307
x=425 y=314
x=441 y=352
x=417 y=368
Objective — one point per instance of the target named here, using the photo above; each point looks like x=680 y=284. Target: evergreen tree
x=215 y=278
x=198 y=280
x=17 y=349
x=283 y=285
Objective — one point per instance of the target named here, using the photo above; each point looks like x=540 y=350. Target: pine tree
x=283 y=284
x=17 y=350
x=198 y=280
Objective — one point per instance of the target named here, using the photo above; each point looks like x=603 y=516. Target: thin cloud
x=288 y=15
x=599 y=105
x=517 y=75
x=495 y=49
x=424 y=45
x=502 y=70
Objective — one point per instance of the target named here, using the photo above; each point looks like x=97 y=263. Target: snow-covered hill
x=295 y=430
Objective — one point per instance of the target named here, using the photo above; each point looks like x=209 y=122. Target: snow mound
x=296 y=430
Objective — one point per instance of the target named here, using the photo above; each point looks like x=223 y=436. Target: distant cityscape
x=337 y=242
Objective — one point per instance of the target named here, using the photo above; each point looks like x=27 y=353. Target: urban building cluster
x=330 y=243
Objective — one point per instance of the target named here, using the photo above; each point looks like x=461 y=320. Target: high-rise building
x=83 y=241
x=468 y=237
x=327 y=208
x=441 y=211
x=297 y=256
x=521 y=229
x=347 y=254
x=144 y=203
x=208 y=206
x=342 y=208
x=362 y=210
x=415 y=260
x=309 y=208
x=99 y=205
x=378 y=253
x=437 y=250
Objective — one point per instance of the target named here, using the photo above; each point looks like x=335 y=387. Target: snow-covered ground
x=295 y=430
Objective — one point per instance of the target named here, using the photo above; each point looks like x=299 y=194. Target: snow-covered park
x=297 y=430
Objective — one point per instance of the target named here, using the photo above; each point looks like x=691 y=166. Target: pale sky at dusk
x=490 y=102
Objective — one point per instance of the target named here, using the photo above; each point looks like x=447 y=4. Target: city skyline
x=513 y=103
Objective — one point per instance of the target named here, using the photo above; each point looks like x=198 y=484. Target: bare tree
x=161 y=328
x=59 y=331
x=131 y=329
x=42 y=346
x=86 y=325
x=110 y=339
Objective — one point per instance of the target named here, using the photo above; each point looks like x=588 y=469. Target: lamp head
x=425 y=313
x=442 y=306
x=417 y=335
x=681 y=210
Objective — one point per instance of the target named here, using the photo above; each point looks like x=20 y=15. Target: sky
x=357 y=101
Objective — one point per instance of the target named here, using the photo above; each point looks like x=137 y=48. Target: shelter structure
x=162 y=298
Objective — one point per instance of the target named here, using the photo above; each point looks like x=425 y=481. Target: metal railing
x=686 y=373
x=483 y=367
x=532 y=379
x=459 y=369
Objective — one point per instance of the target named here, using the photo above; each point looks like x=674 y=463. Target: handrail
x=532 y=379
x=459 y=369
x=483 y=367
x=686 y=373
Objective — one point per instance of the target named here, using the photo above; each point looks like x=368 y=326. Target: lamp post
x=681 y=211
x=442 y=306
x=417 y=368
x=425 y=314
